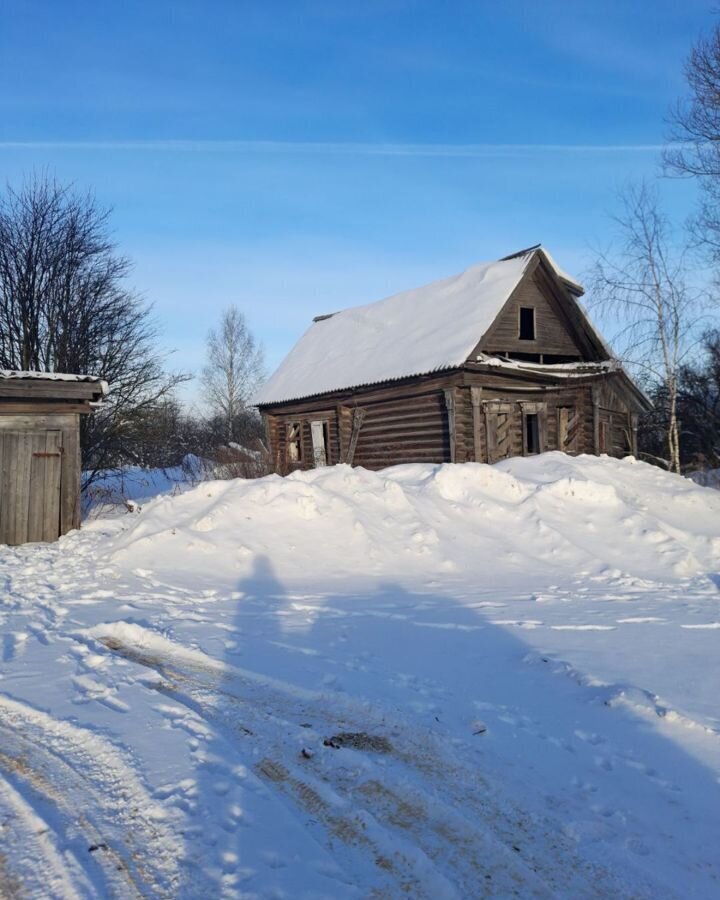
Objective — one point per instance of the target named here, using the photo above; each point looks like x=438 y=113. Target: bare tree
x=234 y=369
x=695 y=137
x=64 y=307
x=645 y=286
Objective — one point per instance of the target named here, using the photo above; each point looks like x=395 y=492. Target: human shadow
x=586 y=781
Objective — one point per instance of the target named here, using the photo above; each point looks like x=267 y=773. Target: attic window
x=527 y=323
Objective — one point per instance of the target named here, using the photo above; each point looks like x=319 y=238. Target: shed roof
x=415 y=332
x=15 y=381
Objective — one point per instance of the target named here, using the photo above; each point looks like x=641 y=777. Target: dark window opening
x=527 y=323
x=326 y=439
x=532 y=433
x=525 y=357
x=555 y=359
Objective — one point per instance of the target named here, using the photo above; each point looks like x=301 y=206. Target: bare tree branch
x=645 y=287
x=64 y=307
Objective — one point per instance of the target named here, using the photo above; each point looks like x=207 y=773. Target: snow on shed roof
x=412 y=333
x=19 y=375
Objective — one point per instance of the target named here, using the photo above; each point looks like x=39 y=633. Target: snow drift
x=520 y=518
x=431 y=681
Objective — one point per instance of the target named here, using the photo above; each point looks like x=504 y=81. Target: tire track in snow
x=36 y=861
x=70 y=794
x=410 y=812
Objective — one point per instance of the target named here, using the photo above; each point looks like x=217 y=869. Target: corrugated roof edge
x=352 y=387
x=558 y=370
x=18 y=374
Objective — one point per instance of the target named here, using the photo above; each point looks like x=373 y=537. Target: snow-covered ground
x=453 y=681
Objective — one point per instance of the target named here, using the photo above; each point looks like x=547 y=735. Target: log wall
x=461 y=416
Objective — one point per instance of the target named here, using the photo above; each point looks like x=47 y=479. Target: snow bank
x=508 y=522
x=347 y=683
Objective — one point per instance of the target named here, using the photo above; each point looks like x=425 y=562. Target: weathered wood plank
x=357 y=422
x=14 y=408
x=20 y=490
x=32 y=388
x=28 y=422
x=52 y=486
x=477 y=422
x=5 y=486
x=70 y=474
x=450 y=406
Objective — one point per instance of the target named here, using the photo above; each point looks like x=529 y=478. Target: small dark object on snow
x=359 y=740
x=306 y=754
x=101 y=846
x=305 y=725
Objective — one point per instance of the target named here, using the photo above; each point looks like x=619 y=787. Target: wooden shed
x=40 y=452
x=498 y=361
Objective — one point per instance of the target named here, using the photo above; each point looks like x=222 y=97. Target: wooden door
x=30 y=468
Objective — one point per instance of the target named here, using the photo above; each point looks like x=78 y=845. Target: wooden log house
x=496 y=362
x=40 y=452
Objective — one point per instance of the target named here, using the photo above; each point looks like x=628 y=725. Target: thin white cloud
x=337 y=148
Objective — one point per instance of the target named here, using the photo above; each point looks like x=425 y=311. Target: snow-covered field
x=453 y=681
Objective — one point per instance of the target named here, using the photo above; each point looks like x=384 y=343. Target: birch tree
x=234 y=369
x=646 y=287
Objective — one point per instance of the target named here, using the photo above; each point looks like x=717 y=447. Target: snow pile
x=431 y=681
x=516 y=520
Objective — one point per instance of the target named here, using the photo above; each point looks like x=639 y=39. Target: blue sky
x=298 y=157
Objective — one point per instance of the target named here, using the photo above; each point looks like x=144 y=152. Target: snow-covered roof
x=19 y=375
x=416 y=332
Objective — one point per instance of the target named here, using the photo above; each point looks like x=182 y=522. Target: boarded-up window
x=568 y=426
x=498 y=425
x=294 y=442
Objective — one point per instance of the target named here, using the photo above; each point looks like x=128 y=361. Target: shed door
x=30 y=466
